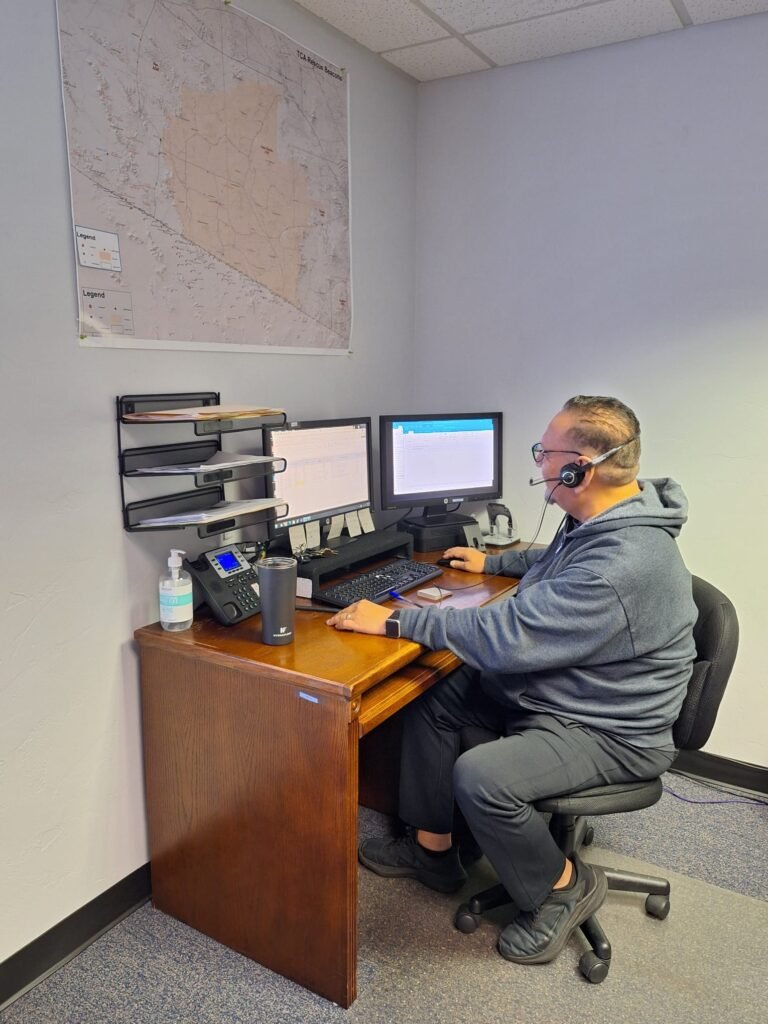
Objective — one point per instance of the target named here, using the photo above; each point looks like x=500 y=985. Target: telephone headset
x=573 y=473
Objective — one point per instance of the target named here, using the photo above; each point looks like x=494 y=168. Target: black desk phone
x=227 y=583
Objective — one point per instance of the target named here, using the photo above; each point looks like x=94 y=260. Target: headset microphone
x=549 y=480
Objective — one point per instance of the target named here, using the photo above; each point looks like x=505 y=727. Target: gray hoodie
x=600 y=632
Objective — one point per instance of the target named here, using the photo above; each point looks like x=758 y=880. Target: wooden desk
x=251 y=764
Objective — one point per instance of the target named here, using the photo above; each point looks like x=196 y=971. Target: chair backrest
x=716 y=635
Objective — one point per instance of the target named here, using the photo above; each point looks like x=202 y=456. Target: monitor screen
x=328 y=469
x=438 y=459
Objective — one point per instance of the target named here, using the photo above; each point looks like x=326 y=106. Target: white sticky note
x=337 y=525
x=366 y=520
x=353 y=524
x=313 y=534
x=297 y=537
x=303 y=587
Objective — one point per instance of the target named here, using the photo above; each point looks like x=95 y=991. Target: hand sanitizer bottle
x=176 y=595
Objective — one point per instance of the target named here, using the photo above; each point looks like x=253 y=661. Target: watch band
x=392 y=626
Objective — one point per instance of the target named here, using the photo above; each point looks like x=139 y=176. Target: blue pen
x=405 y=600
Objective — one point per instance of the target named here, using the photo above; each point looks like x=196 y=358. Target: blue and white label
x=176 y=604
x=172 y=600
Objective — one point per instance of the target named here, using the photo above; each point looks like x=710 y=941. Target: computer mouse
x=444 y=561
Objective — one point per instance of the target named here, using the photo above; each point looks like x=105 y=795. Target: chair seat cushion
x=613 y=799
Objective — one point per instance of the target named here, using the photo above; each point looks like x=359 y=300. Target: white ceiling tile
x=702 y=11
x=437 y=60
x=508 y=31
x=597 y=25
x=469 y=15
x=377 y=24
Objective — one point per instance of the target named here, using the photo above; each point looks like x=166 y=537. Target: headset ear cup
x=572 y=474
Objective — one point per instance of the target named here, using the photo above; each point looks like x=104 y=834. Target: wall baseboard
x=65 y=940
x=53 y=948
x=721 y=769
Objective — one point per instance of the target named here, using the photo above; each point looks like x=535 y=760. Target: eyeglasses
x=538 y=452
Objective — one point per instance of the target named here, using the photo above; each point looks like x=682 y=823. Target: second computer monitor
x=438 y=460
x=328 y=469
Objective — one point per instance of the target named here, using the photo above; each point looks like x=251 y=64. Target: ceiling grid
x=429 y=39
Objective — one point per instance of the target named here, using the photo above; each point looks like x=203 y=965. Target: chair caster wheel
x=592 y=967
x=589 y=836
x=465 y=920
x=657 y=906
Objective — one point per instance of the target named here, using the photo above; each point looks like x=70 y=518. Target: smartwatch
x=392 y=626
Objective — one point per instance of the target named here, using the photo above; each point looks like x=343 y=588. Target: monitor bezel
x=390 y=500
x=279 y=527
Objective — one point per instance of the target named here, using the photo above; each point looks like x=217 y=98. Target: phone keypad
x=241 y=588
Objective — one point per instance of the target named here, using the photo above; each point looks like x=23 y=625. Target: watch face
x=392 y=626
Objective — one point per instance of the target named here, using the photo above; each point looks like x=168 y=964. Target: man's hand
x=468 y=559
x=361 y=617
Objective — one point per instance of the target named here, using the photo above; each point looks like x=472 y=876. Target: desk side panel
x=252 y=803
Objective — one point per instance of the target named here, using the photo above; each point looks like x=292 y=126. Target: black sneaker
x=406 y=858
x=536 y=937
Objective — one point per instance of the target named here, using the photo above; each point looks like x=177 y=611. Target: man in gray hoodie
x=581 y=676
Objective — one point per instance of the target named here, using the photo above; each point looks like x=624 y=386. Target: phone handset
x=227 y=582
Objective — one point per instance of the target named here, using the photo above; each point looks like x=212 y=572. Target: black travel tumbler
x=277 y=588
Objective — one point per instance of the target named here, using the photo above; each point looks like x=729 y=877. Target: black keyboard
x=375 y=584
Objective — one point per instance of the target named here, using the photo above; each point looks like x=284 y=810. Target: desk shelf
x=136 y=463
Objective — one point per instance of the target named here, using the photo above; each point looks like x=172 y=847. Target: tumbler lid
x=276 y=562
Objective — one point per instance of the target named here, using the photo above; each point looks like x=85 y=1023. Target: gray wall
x=74 y=586
x=597 y=223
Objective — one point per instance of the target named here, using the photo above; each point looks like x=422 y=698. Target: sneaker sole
x=432 y=881
x=588 y=907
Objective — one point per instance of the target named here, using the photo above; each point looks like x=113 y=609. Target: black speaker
x=572 y=473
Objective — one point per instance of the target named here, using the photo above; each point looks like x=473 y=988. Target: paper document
x=221 y=460
x=337 y=525
x=313 y=535
x=353 y=524
x=203 y=412
x=224 y=510
x=366 y=520
x=298 y=539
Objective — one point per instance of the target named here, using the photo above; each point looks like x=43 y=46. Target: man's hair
x=604 y=423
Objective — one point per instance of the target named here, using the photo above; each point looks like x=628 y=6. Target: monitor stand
x=354 y=553
x=342 y=541
x=437 y=529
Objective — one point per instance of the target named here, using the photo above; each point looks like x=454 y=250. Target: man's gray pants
x=496 y=783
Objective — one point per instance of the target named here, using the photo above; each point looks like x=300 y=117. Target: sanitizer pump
x=175 y=595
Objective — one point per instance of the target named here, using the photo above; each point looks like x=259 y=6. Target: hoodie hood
x=660 y=503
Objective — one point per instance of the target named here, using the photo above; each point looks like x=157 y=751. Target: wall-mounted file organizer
x=203 y=459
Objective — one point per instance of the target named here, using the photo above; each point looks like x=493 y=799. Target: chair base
x=594 y=963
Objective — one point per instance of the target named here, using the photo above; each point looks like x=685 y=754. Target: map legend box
x=105 y=312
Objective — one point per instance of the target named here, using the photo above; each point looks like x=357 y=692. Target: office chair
x=716 y=636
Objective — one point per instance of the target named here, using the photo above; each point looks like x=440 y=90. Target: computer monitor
x=439 y=459
x=328 y=470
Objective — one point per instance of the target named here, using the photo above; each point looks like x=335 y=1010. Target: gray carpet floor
x=705 y=963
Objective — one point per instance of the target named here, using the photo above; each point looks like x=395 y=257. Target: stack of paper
x=224 y=510
x=204 y=412
x=221 y=460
